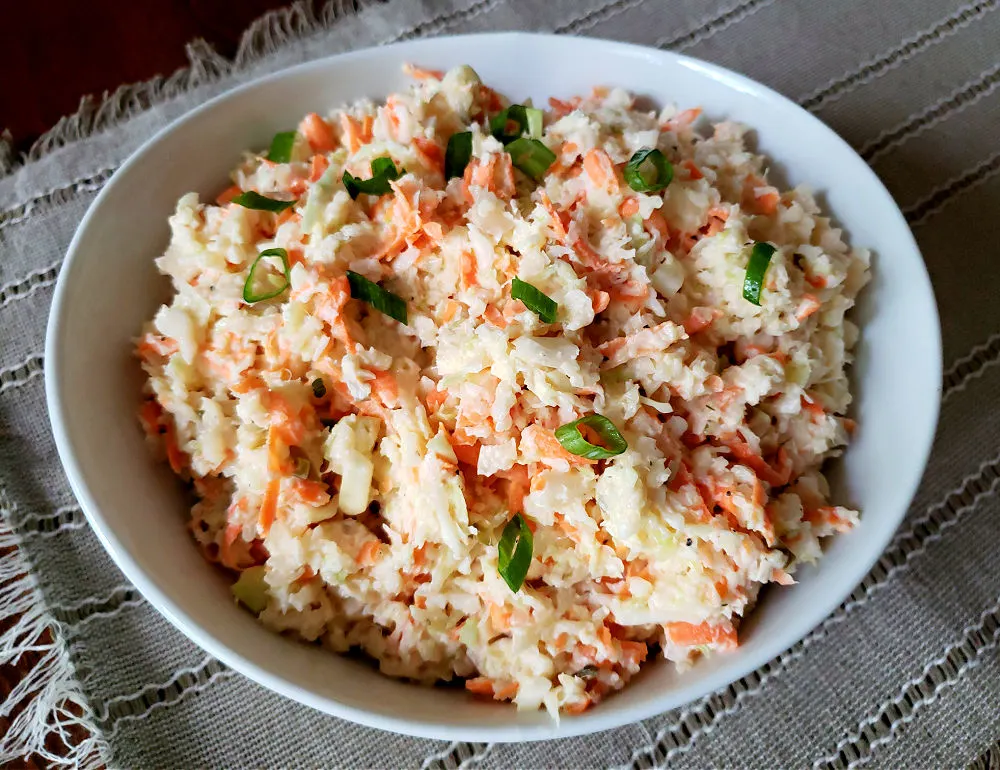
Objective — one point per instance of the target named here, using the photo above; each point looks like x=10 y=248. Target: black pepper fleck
x=689 y=541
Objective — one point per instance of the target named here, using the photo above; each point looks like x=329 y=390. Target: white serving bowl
x=109 y=286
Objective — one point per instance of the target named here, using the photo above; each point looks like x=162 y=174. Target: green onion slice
x=383 y=172
x=538 y=303
x=302 y=466
x=458 y=154
x=264 y=284
x=281 y=147
x=515 y=547
x=760 y=258
x=507 y=125
x=648 y=171
x=531 y=156
x=250 y=589
x=535 y=119
x=258 y=202
x=572 y=439
x=319 y=387
x=380 y=299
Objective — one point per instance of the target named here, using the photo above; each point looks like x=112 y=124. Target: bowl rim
x=591 y=721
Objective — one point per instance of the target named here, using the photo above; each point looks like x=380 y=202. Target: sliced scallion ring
x=257 y=202
x=535 y=118
x=383 y=172
x=281 y=147
x=302 y=466
x=760 y=258
x=267 y=285
x=531 y=156
x=250 y=589
x=380 y=299
x=572 y=439
x=648 y=170
x=515 y=549
x=458 y=154
x=507 y=125
x=538 y=303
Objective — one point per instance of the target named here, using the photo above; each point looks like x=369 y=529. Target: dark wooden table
x=56 y=51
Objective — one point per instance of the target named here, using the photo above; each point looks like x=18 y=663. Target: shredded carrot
x=600 y=169
x=656 y=224
x=577 y=708
x=435 y=399
x=561 y=108
x=352 y=132
x=385 y=386
x=558 y=224
x=469 y=270
x=628 y=208
x=269 y=505
x=816 y=281
x=773 y=476
x=430 y=152
x=813 y=407
x=419 y=73
x=693 y=171
x=317 y=166
x=227 y=195
x=518 y=486
x=314 y=493
x=634 y=653
x=500 y=617
x=467 y=453
x=287 y=420
x=681 y=119
x=809 y=305
x=318 y=133
x=506 y=692
x=154 y=345
x=692 y=635
x=699 y=320
x=175 y=456
x=480 y=685
x=599 y=299
x=548 y=446
x=369 y=552
x=507 y=187
x=275 y=450
x=767 y=203
x=149 y=414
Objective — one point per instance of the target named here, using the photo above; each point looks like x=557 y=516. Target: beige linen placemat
x=904 y=674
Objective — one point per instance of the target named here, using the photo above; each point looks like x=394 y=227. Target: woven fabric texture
x=905 y=674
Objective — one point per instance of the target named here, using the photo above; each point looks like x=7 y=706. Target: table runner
x=904 y=673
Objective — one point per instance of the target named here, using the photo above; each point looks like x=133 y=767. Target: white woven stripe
x=963 y=97
x=974 y=363
x=17 y=375
x=36 y=279
x=707 y=26
x=921 y=211
x=894 y=57
x=980 y=638
x=607 y=11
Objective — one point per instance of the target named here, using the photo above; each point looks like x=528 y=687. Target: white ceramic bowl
x=108 y=286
